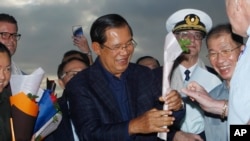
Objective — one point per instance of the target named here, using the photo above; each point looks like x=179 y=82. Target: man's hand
x=82 y=43
x=173 y=100
x=199 y=94
x=151 y=122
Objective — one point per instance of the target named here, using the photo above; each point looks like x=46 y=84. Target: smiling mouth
x=122 y=60
x=224 y=67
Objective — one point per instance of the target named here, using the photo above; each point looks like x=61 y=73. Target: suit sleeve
x=86 y=117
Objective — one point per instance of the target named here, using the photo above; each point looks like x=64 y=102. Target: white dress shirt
x=193 y=122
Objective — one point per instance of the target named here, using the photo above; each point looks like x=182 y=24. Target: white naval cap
x=189 y=19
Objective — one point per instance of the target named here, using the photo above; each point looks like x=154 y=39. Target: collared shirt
x=118 y=86
x=214 y=123
x=239 y=97
x=183 y=69
x=194 y=120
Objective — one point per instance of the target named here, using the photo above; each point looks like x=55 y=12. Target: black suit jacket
x=94 y=110
x=5 y=114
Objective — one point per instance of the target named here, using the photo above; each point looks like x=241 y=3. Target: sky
x=46 y=26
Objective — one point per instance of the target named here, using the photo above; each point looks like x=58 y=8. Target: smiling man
x=9 y=36
x=224 y=48
x=114 y=99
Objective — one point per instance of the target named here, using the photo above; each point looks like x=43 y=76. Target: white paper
x=27 y=83
x=50 y=126
x=39 y=94
x=172 y=50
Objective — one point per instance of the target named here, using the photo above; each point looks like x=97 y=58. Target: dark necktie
x=187 y=72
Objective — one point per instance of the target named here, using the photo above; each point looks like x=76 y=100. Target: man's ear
x=96 y=48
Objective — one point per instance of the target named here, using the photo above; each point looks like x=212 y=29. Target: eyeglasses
x=70 y=74
x=6 y=35
x=128 y=45
x=6 y=69
x=223 y=53
x=188 y=35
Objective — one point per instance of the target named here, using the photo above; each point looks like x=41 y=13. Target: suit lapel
x=131 y=96
x=101 y=87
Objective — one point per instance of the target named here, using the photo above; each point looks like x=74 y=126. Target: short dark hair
x=99 y=27
x=147 y=57
x=224 y=28
x=8 y=18
x=74 y=53
x=64 y=63
x=4 y=49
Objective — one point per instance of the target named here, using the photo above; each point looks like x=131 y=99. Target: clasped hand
x=156 y=120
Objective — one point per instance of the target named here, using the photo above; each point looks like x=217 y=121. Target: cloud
x=24 y=3
x=46 y=25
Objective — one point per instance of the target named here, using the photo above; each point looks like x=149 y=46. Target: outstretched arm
x=207 y=103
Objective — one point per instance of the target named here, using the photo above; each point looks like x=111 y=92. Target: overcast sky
x=46 y=25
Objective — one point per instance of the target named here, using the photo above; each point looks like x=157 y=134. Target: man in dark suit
x=114 y=99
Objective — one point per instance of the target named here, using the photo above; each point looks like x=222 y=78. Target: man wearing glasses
x=191 y=25
x=9 y=37
x=224 y=49
x=115 y=100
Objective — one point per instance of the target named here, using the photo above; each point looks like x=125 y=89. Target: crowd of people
x=111 y=98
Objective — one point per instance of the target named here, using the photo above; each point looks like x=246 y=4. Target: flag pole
x=12 y=130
